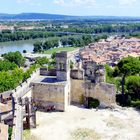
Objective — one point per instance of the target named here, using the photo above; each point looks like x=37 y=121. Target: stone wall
x=49 y=94
x=77 y=90
x=23 y=88
x=46 y=72
x=77 y=74
x=105 y=93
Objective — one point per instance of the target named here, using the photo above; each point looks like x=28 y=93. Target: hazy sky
x=73 y=7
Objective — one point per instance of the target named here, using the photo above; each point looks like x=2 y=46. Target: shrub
x=123 y=102
x=24 y=51
x=133 y=85
x=10 y=133
x=6 y=65
x=135 y=104
x=94 y=103
x=82 y=99
x=42 y=61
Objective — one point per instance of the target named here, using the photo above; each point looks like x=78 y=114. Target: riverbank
x=21 y=45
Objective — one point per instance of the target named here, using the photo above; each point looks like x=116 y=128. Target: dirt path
x=83 y=124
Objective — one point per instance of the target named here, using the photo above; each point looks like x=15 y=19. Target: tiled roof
x=103 y=51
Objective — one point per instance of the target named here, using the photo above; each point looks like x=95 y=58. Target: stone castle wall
x=77 y=90
x=77 y=74
x=46 y=72
x=48 y=94
x=104 y=92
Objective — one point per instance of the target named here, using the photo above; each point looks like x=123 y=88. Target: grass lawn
x=68 y=49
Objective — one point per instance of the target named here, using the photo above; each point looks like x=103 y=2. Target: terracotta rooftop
x=103 y=50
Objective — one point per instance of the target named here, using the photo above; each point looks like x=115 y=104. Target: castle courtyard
x=83 y=124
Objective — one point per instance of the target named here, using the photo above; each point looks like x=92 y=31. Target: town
x=56 y=90
x=69 y=70
x=111 y=50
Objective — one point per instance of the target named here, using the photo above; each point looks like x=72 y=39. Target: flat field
x=68 y=49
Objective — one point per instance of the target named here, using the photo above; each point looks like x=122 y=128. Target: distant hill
x=44 y=16
x=34 y=16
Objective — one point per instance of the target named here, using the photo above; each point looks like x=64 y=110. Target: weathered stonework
x=51 y=94
x=104 y=92
x=94 y=72
x=63 y=66
x=93 y=85
x=55 y=91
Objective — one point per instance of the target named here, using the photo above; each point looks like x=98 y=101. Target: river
x=18 y=46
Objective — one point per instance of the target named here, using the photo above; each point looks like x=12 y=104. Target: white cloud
x=59 y=2
x=127 y=2
x=35 y=4
x=29 y=2
x=20 y=1
x=85 y=3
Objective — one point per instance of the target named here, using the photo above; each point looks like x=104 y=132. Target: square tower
x=62 y=66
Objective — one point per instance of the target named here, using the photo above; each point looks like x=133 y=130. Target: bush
x=10 y=80
x=123 y=102
x=42 y=61
x=133 y=85
x=28 y=73
x=94 y=103
x=15 y=57
x=6 y=65
x=82 y=99
x=109 y=71
x=71 y=64
x=135 y=104
x=24 y=51
x=10 y=133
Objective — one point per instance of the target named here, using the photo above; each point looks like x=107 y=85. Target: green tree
x=37 y=47
x=133 y=85
x=42 y=61
x=15 y=57
x=17 y=74
x=10 y=80
x=6 y=65
x=53 y=56
x=27 y=74
x=51 y=43
x=128 y=66
x=87 y=39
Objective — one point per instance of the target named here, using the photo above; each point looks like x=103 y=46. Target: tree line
x=7 y=35
x=98 y=28
x=72 y=41
x=80 y=27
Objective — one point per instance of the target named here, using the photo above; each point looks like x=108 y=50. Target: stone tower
x=100 y=75
x=62 y=66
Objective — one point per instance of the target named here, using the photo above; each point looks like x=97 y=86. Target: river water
x=18 y=46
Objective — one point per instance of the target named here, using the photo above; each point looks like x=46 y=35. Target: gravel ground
x=83 y=124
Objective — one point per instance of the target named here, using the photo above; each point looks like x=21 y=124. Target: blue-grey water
x=17 y=46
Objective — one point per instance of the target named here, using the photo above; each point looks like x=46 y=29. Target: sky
x=73 y=7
